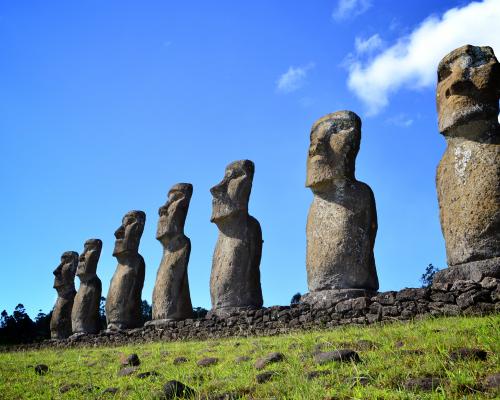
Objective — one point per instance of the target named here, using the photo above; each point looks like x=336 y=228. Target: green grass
x=386 y=366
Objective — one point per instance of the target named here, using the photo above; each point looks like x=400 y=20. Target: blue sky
x=105 y=105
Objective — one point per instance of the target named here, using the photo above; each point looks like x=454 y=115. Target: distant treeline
x=20 y=328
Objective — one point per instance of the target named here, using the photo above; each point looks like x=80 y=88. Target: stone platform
x=443 y=299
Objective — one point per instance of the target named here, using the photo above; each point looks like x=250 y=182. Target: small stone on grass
x=265 y=376
x=175 y=389
x=468 y=354
x=205 y=362
x=343 y=355
x=41 y=369
x=261 y=363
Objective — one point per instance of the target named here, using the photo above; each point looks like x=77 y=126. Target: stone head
x=231 y=195
x=128 y=235
x=334 y=145
x=173 y=213
x=468 y=89
x=87 y=263
x=64 y=274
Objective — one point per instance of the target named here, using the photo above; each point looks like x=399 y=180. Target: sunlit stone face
x=64 y=274
x=333 y=148
x=231 y=195
x=173 y=213
x=87 y=263
x=468 y=88
x=128 y=235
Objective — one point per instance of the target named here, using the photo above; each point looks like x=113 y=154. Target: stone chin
x=222 y=211
x=120 y=248
x=166 y=233
x=464 y=113
x=319 y=176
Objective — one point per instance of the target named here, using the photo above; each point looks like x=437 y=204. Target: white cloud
x=347 y=9
x=368 y=45
x=400 y=120
x=293 y=79
x=412 y=61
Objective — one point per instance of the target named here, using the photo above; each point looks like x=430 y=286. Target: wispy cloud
x=293 y=79
x=412 y=61
x=347 y=9
x=366 y=46
x=400 y=120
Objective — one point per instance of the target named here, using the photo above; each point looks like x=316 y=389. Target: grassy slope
x=386 y=366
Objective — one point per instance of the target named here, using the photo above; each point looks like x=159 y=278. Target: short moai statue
x=64 y=283
x=235 y=276
x=123 y=303
x=342 y=220
x=85 y=314
x=468 y=175
x=171 y=298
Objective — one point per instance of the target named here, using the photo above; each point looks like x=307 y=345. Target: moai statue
x=468 y=175
x=123 y=304
x=342 y=220
x=64 y=283
x=235 y=277
x=171 y=298
x=85 y=314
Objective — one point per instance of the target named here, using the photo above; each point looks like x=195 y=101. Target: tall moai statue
x=342 y=220
x=64 y=283
x=123 y=303
x=235 y=277
x=85 y=314
x=171 y=298
x=468 y=175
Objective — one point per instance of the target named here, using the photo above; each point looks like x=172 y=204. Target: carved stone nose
x=119 y=233
x=218 y=189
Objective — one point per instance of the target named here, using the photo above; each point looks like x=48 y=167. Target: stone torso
x=341 y=228
x=85 y=314
x=235 y=277
x=123 y=304
x=468 y=188
x=60 y=322
x=171 y=298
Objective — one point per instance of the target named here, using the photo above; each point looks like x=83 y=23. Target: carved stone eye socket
x=443 y=73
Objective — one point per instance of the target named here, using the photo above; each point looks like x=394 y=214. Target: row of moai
x=341 y=225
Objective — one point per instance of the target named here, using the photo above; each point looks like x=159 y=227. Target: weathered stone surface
x=148 y=374
x=85 y=313
x=235 y=276
x=41 y=369
x=263 y=377
x=336 y=355
x=468 y=175
x=425 y=383
x=123 y=303
x=180 y=360
x=329 y=298
x=476 y=299
x=64 y=283
x=206 y=362
x=131 y=360
x=171 y=297
x=177 y=390
x=261 y=363
x=468 y=354
x=474 y=270
x=342 y=220
x=316 y=374
x=126 y=371
x=492 y=382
